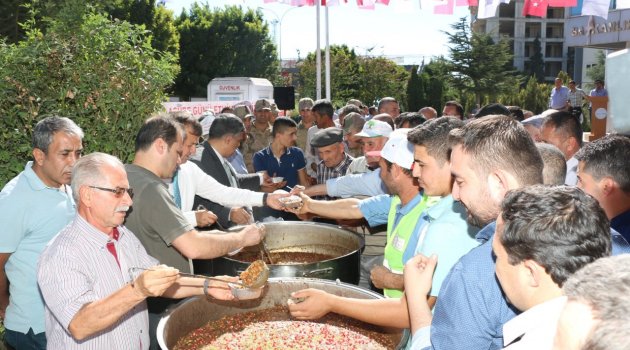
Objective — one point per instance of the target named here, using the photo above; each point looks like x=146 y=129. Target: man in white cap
x=440 y=230
x=400 y=211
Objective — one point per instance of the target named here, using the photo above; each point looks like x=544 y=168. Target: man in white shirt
x=191 y=181
x=563 y=130
x=559 y=98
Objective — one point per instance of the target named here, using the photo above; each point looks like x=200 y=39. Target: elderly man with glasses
x=95 y=275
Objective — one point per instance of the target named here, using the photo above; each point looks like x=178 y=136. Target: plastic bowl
x=277 y=179
x=291 y=202
x=242 y=293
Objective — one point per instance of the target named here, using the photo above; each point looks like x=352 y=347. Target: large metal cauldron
x=195 y=312
x=310 y=237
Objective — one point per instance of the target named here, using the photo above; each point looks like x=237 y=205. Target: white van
x=237 y=89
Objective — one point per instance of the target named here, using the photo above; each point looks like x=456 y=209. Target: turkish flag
x=562 y=3
x=536 y=8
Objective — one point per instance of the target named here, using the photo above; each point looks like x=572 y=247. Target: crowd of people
x=486 y=231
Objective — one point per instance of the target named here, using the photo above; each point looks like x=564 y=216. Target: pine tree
x=415 y=91
x=537 y=63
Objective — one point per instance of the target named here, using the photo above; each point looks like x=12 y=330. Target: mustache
x=122 y=208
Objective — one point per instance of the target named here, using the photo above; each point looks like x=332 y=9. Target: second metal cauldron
x=345 y=245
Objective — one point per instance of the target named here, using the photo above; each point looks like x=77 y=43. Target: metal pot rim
x=164 y=320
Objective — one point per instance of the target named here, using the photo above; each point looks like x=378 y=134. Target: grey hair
x=88 y=171
x=46 y=128
x=604 y=286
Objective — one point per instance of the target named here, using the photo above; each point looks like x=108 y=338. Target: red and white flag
x=536 y=8
x=562 y=3
x=596 y=8
x=384 y=2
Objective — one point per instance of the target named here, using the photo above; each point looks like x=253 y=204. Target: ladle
x=184 y=274
x=260 y=279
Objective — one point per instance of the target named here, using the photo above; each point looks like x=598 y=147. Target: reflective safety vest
x=398 y=238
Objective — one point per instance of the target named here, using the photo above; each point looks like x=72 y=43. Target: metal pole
x=318 y=58
x=327 y=58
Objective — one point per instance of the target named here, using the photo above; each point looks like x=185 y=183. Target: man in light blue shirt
x=451 y=233
x=34 y=206
x=559 y=98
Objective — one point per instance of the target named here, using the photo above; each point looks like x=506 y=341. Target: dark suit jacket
x=211 y=165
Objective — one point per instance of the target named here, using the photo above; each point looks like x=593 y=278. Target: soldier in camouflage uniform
x=259 y=136
x=307 y=121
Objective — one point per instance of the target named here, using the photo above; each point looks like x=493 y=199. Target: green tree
x=435 y=76
x=381 y=77
x=415 y=90
x=344 y=72
x=103 y=74
x=157 y=19
x=222 y=43
x=479 y=65
x=366 y=78
x=536 y=62
x=598 y=70
x=534 y=97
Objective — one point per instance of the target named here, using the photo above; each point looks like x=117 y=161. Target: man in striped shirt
x=95 y=274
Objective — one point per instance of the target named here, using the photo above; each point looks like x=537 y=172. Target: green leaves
x=104 y=75
x=221 y=43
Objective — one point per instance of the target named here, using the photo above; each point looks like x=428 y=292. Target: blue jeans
x=28 y=341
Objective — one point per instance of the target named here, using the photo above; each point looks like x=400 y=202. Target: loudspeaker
x=284 y=96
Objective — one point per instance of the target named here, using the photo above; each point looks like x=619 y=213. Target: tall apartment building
x=522 y=32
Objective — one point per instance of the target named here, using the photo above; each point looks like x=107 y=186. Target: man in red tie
x=95 y=274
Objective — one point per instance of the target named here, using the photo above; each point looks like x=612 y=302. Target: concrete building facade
x=522 y=33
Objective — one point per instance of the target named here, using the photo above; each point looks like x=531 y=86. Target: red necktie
x=111 y=247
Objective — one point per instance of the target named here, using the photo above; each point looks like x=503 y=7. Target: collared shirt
x=576 y=98
x=237 y=161
x=470 y=309
x=324 y=173
x=534 y=328
x=621 y=224
x=571 y=176
x=559 y=97
x=194 y=181
x=31 y=214
x=155 y=219
x=76 y=269
x=286 y=166
x=446 y=233
x=600 y=92
x=366 y=184
x=376 y=209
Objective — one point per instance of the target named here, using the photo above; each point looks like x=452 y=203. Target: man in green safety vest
x=441 y=230
x=401 y=209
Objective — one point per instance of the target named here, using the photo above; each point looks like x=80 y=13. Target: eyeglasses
x=118 y=191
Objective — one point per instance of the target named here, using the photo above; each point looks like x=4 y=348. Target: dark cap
x=492 y=109
x=327 y=137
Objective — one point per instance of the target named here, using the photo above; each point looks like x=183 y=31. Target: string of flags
x=485 y=8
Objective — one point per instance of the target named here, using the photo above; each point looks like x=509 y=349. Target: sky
x=401 y=31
